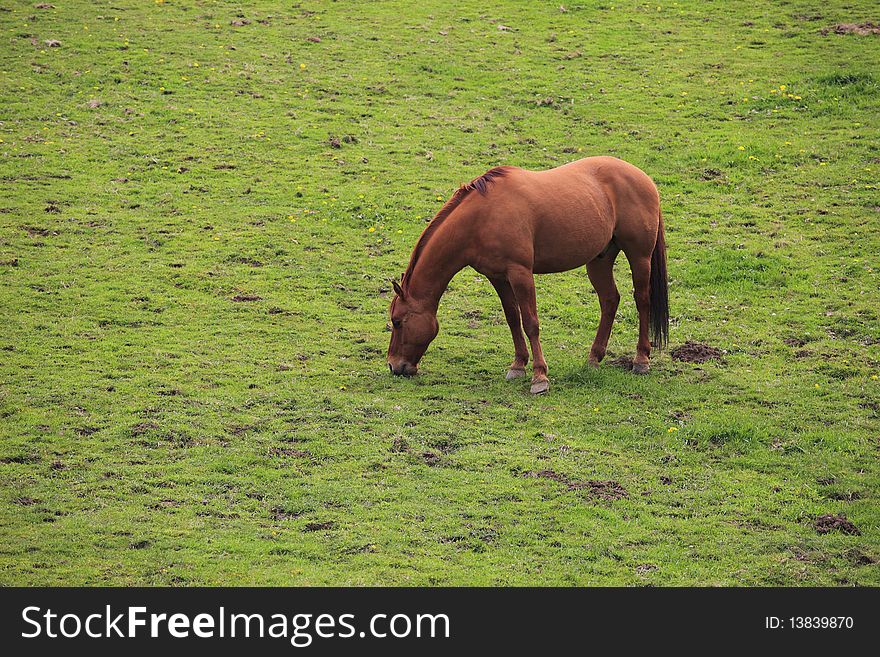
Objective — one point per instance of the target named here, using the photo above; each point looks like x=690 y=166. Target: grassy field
x=202 y=208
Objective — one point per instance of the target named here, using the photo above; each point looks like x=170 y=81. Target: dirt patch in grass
x=143 y=427
x=26 y=501
x=623 y=362
x=289 y=451
x=829 y=522
x=547 y=474
x=430 y=458
x=845 y=496
x=859 y=557
x=238 y=429
x=36 y=231
x=319 y=526
x=606 y=490
x=853 y=28
x=278 y=513
x=246 y=297
x=399 y=445
x=695 y=352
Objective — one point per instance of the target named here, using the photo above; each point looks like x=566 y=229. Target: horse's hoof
x=641 y=368
x=540 y=387
x=514 y=373
x=594 y=362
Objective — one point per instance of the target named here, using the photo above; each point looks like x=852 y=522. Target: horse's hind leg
x=511 y=313
x=641 y=275
x=601 y=273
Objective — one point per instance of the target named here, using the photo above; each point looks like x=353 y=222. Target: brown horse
x=520 y=223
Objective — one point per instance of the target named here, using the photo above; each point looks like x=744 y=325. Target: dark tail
x=659 y=291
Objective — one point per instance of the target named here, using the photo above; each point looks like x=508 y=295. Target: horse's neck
x=443 y=256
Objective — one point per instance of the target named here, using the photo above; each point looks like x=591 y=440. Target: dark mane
x=481 y=184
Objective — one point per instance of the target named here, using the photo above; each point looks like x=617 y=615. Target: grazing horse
x=510 y=224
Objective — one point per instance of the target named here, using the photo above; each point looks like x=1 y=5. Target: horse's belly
x=563 y=250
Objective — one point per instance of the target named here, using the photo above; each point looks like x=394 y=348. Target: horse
x=510 y=224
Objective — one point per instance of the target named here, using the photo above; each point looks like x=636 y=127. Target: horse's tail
x=659 y=300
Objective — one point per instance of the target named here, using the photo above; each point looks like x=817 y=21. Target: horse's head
x=413 y=326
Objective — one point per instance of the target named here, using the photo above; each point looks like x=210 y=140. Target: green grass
x=161 y=161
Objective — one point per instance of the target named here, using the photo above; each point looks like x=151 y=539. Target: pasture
x=203 y=205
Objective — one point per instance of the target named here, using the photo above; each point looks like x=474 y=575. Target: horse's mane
x=481 y=184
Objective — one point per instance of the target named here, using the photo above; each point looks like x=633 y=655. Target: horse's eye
x=395 y=323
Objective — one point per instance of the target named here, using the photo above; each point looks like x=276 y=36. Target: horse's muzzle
x=403 y=369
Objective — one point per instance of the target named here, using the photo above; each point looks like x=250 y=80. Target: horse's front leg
x=523 y=283
x=511 y=313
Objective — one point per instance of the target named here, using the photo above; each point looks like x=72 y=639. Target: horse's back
x=562 y=218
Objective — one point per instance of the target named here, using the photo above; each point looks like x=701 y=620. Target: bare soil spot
x=169 y=392
x=139 y=545
x=238 y=429
x=26 y=501
x=36 y=231
x=289 y=451
x=606 y=490
x=143 y=427
x=246 y=297
x=430 y=458
x=250 y=262
x=277 y=513
x=166 y=504
x=23 y=459
x=695 y=352
x=623 y=362
x=830 y=522
x=845 y=496
x=240 y=22
x=858 y=557
x=319 y=526
x=399 y=445
x=861 y=29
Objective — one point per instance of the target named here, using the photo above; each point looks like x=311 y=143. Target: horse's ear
x=399 y=290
